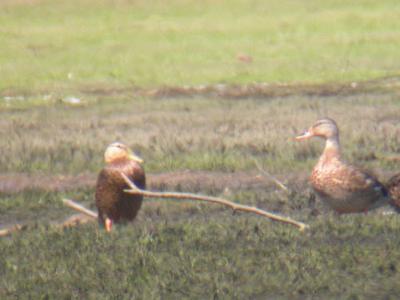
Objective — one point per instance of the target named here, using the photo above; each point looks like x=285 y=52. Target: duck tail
x=394 y=205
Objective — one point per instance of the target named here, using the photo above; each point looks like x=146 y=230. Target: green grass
x=30 y=207
x=196 y=133
x=98 y=51
x=59 y=45
x=197 y=251
x=189 y=250
x=239 y=258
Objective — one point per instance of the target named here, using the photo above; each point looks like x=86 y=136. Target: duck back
x=111 y=200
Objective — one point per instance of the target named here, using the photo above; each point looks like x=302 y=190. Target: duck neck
x=118 y=161
x=332 y=149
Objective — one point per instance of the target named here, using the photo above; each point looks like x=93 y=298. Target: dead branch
x=84 y=217
x=392 y=158
x=236 y=207
x=76 y=206
x=74 y=220
x=272 y=178
x=9 y=230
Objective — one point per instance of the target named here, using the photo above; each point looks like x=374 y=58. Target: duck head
x=325 y=128
x=119 y=151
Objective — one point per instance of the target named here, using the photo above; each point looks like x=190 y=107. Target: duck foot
x=108 y=224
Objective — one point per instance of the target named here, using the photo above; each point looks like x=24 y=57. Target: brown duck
x=345 y=188
x=113 y=204
x=393 y=187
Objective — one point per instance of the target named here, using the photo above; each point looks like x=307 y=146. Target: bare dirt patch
x=187 y=180
x=262 y=90
x=255 y=90
x=15 y=183
x=181 y=180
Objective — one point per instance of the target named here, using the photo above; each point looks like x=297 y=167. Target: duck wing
x=108 y=191
x=362 y=184
x=393 y=187
x=111 y=200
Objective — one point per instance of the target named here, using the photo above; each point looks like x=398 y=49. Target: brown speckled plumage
x=345 y=188
x=393 y=187
x=111 y=200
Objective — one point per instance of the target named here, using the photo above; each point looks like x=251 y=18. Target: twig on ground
x=9 y=230
x=236 y=207
x=74 y=220
x=393 y=158
x=85 y=216
x=272 y=178
x=74 y=205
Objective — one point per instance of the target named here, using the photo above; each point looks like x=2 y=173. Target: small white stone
x=72 y=100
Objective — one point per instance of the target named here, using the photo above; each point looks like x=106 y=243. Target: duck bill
x=304 y=136
x=134 y=157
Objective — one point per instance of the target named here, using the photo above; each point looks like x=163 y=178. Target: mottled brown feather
x=345 y=188
x=393 y=187
x=111 y=200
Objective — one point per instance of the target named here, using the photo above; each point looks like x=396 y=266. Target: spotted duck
x=345 y=188
x=113 y=204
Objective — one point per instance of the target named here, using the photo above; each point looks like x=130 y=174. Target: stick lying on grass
x=135 y=190
x=9 y=230
x=270 y=177
x=70 y=221
x=80 y=208
x=73 y=220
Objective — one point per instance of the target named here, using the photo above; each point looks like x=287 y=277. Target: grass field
x=76 y=76
x=189 y=250
x=66 y=45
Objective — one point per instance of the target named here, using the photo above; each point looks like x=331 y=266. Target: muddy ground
x=182 y=180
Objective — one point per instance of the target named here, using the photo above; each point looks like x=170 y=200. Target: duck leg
x=108 y=224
